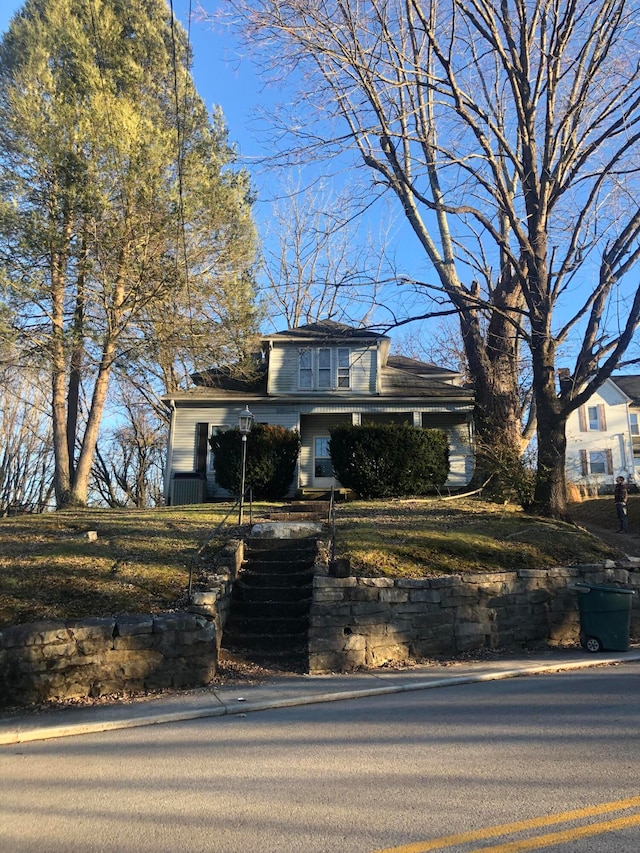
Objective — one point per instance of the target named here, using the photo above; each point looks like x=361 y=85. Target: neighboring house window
x=306 y=368
x=323 y=466
x=325 y=368
x=592 y=418
x=633 y=423
x=596 y=462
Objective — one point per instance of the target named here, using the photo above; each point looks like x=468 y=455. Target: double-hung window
x=596 y=462
x=344 y=368
x=306 y=368
x=324 y=368
x=592 y=418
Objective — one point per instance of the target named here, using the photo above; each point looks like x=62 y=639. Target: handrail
x=198 y=553
x=332 y=522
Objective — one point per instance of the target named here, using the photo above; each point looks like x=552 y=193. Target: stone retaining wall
x=128 y=653
x=367 y=622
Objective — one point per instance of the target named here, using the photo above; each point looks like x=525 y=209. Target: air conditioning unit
x=188 y=489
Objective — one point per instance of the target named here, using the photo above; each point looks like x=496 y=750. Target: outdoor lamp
x=244 y=425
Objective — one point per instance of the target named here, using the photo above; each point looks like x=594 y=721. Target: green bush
x=272 y=453
x=389 y=460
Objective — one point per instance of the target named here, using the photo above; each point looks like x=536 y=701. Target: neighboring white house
x=603 y=438
x=311 y=379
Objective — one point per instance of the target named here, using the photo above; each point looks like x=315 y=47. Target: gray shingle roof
x=324 y=330
x=401 y=377
x=630 y=384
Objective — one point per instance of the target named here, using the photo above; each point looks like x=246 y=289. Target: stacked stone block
x=124 y=654
x=368 y=622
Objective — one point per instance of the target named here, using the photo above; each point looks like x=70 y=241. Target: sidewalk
x=287 y=691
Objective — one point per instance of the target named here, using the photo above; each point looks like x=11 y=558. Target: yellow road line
x=563 y=837
x=518 y=826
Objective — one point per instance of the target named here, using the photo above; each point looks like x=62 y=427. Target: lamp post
x=245 y=422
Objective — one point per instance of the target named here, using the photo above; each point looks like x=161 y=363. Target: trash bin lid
x=584 y=587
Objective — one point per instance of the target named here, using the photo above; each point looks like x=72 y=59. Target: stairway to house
x=268 y=620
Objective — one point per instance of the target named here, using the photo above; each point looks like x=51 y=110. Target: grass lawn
x=140 y=561
x=435 y=537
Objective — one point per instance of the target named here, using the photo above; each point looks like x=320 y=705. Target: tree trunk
x=493 y=364
x=551 y=489
x=62 y=463
x=80 y=488
x=550 y=496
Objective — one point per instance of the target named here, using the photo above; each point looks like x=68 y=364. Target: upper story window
x=592 y=418
x=306 y=368
x=344 y=368
x=633 y=423
x=325 y=368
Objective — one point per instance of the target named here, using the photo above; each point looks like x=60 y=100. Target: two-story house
x=311 y=379
x=603 y=437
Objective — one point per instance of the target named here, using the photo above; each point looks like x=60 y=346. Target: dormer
x=325 y=358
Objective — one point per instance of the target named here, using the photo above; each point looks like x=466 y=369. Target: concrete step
x=277 y=567
x=271 y=607
x=265 y=594
x=276 y=579
x=276 y=625
x=304 y=545
x=254 y=645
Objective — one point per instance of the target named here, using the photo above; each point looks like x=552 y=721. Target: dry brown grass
x=140 y=561
x=429 y=537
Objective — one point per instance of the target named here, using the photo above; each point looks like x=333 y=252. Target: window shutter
x=584 y=463
x=601 y=417
x=609 y=457
x=582 y=417
x=202 y=447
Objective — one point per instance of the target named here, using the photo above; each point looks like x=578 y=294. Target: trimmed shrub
x=272 y=453
x=389 y=460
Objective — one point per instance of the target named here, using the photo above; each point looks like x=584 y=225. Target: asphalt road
x=545 y=762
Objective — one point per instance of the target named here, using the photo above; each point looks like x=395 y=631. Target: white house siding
x=312 y=426
x=284 y=376
x=611 y=446
x=183 y=457
x=457 y=428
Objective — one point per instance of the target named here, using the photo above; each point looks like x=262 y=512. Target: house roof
x=401 y=377
x=422 y=368
x=231 y=380
x=400 y=382
x=630 y=384
x=324 y=330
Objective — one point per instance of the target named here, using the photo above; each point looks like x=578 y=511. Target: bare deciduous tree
x=509 y=134
x=129 y=463
x=26 y=456
x=315 y=262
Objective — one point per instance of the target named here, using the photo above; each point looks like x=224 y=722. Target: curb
x=222 y=709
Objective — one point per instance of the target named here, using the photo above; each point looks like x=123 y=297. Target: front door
x=322 y=465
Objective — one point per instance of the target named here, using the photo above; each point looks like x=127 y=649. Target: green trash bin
x=605 y=617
